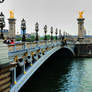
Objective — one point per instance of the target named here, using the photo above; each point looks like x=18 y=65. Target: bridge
x=26 y=57
x=29 y=57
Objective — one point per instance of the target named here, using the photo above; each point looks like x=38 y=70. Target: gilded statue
x=11 y=14
x=81 y=14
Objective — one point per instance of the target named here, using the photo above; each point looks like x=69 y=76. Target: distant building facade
x=5 y=32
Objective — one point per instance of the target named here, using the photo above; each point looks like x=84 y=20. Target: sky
x=61 y=14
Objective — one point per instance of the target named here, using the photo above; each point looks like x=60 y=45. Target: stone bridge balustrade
x=28 y=45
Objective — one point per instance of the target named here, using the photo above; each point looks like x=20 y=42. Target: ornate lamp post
x=2 y=25
x=64 y=34
x=68 y=36
x=56 y=33
x=51 y=33
x=37 y=29
x=45 y=31
x=1 y=1
x=60 y=34
x=23 y=27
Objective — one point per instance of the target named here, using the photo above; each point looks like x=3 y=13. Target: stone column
x=11 y=32
x=5 y=66
x=80 y=29
x=3 y=53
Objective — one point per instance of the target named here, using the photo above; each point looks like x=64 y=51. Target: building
x=5 y=32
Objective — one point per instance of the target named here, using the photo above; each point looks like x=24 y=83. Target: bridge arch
x=65 y=52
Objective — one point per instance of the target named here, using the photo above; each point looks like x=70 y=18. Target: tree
x=32 y=38
x=48 y=37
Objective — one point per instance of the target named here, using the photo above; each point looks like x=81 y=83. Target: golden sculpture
x=11 y=14
x=81 y=14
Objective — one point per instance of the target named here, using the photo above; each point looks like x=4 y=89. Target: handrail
x=26 y=45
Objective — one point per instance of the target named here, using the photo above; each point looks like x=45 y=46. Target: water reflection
x=62 y=76
x=73 y=77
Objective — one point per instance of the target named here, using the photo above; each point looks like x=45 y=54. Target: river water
x=62 y=75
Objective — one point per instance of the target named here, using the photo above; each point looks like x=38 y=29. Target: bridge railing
x=35 y=44
x=28 y=45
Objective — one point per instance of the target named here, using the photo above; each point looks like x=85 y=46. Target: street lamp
x=64 y=34
x=1 y=1
x=45 y=31
x=23 y=27
x=56 y=33
x=60 y=34
x=37 y=29
x=51 y=33
x=2 y=25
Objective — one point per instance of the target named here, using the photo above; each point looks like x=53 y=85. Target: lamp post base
x=81 y=39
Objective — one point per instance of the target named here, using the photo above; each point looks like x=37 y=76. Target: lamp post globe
x=45 y=31
x=23 y=27
x=2 y=24
x=51 y=33
x=37 y=29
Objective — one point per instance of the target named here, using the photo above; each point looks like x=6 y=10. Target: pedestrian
x=12 y=42
x=8 y=41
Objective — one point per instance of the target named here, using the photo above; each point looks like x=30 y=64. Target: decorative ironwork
x=56 y=33
x=45 y=31
x=23 y=27
x=51 y=33
x=37 y=29
x=2 y=25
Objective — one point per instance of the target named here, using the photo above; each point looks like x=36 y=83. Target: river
x=62 y=75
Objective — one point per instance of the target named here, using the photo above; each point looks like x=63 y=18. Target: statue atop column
x=12 y=28
x=11 y=14
x=81 y=26
x=81 y=14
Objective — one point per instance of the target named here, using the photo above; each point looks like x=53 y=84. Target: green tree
x=48 y=37
x=19 y=39
x=32 y=38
